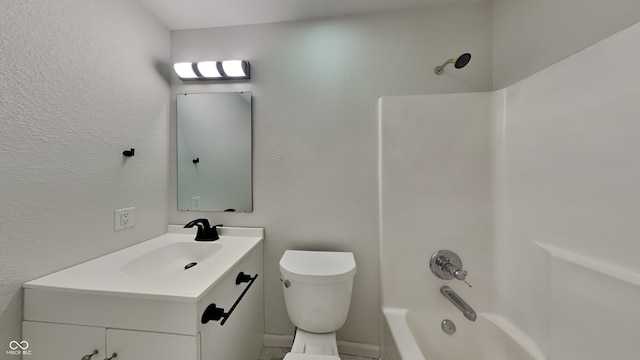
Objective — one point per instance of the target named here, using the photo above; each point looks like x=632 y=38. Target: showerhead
x=462 y=61
x=459 y=62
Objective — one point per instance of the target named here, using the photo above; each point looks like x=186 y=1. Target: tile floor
x=277 y=353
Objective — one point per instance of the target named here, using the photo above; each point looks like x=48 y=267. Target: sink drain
x=190 y=265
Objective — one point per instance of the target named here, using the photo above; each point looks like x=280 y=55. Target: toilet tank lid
x=318 y=266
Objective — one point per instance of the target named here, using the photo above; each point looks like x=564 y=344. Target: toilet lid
x=318 y=266
x=299 y=356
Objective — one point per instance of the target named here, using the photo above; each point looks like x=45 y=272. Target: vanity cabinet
x=68 y=322
x=60 y=341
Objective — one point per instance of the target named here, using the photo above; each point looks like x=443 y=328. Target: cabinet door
x=140 y=345
x=57 y=341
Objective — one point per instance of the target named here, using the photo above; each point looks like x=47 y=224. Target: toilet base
x=307 y=344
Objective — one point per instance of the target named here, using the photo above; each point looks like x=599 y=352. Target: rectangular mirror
x=214 y=152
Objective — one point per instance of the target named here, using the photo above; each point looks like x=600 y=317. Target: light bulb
x=209 y=69
x=234 y=68
x=184 y=70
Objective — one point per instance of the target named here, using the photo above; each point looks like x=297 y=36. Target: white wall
x=315 y=87
x=80 y=81
x=529 y=35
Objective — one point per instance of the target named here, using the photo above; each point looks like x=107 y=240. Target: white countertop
x=105 y=275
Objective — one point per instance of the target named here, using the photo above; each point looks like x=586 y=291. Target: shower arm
x=439 y=69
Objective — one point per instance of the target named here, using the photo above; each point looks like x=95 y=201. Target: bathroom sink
x=169 y=267
x=170 y=259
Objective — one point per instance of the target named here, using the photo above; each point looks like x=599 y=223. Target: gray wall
x=530 y=35
x=79 y=83
x=315 y=88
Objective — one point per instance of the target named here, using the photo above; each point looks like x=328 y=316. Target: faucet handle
x=445 y=264
x=198 y=222
x=462 y=276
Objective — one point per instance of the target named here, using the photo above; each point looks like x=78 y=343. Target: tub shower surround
x=534 y=186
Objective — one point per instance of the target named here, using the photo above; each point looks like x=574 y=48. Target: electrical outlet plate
x=195 y=203
x=124 y=218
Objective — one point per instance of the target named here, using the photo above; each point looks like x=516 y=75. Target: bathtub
x=417 y=335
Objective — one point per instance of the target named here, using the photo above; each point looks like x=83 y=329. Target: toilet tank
x=317 y=288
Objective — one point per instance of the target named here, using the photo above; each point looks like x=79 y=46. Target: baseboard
x=274 y=340
x=359 y=349
x=344 y=347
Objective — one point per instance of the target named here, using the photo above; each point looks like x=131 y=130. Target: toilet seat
x=299 y=356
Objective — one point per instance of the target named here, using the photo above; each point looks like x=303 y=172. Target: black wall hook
x=196 y=160
x=129 y=153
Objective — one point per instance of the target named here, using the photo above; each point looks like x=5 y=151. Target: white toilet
x=317 y=292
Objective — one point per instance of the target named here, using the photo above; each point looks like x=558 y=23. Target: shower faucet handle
x=457 y=273
x=446 y=264
x=461 y=275
x=463 y=278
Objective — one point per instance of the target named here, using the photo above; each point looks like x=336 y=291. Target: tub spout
x=457 y=301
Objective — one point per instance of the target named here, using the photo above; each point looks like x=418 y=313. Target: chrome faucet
x=457 y=301
x=446 y=264
x=451 y=268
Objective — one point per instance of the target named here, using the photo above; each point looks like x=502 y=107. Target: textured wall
x=315 y=88
x=530 y=35
x=80 y=81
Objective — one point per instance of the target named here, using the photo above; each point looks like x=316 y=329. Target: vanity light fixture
x=213 y=70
